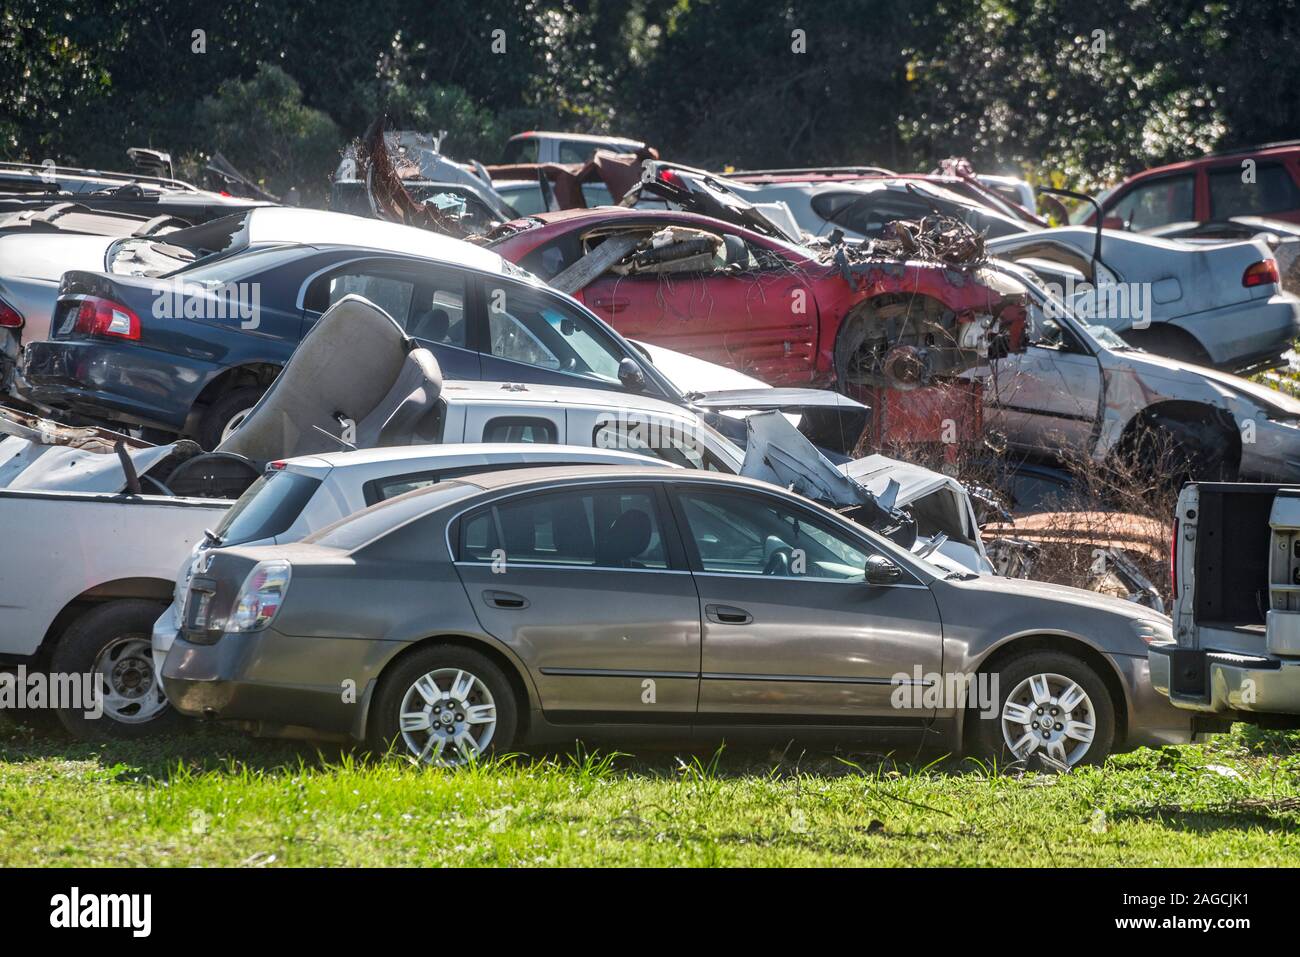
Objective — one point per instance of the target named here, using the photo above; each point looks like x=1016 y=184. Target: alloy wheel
x=447 y=717
x=1049 y=715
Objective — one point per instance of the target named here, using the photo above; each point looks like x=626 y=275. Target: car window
x=1157 y=203
x=530 y=327
x=751 y=535
x=390 y=293
x=1273 y=191
x=868 y=214
x=614 y=528
x=520 y=429
x=267 y=507
x=576 y=151
x=668 y=441
x=522 y=150
x=438 y=313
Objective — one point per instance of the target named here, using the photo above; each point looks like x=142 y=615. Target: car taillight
x=1261 y=273
x=103 y=317
x=260 y=597
x=10 y=318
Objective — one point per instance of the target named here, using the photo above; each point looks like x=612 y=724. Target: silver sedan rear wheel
x=1049 y=715
x=447 y=717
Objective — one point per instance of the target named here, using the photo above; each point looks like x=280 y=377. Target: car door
x=583 y=583
x=431 y=302
x=1047 y=398
x=743 y=306
x=791 y=632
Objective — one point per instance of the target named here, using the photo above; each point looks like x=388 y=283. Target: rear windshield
x=267 y=508
x=361 y=528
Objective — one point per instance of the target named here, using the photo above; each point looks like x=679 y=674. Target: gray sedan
x=544 y=604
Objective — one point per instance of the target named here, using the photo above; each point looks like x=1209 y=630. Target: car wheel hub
x=123 y=673
x=447 y=717
x=1051 y=716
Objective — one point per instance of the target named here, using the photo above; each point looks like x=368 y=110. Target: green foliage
x=261 y=124
x=1016 y=85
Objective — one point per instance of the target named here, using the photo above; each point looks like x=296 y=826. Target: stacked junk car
x=507 y=445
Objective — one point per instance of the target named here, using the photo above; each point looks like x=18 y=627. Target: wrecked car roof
x=282 y=224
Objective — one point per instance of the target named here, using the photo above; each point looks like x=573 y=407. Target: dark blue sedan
x=191 y=352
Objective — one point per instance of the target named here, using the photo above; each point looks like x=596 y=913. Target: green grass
x=212 y=798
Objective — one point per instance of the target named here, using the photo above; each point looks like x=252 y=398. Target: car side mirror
x=630 y=374
x=1113 y=222
x=881 y=571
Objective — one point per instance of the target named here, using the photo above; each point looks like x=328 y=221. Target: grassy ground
x=220 y=799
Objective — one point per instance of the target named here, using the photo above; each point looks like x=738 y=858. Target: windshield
x=267 y=508
x=136 y=256
x=361 y=528
x=219 y=270
x=1084 y=210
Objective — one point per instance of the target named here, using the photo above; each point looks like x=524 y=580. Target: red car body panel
x=778 y=324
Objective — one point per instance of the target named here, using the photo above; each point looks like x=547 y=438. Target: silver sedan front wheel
x=1049 y=715
x=448 y=717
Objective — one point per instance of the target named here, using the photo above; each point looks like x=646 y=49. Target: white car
x=1081 y=389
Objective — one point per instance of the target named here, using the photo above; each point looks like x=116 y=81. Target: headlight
x=260 y=597
x=1152 y=632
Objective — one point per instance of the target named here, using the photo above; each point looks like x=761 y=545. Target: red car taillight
x=1261 y=273
x=10 y=318
x=103 y=317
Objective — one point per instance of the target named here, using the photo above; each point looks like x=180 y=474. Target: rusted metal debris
x=383 y=174
x=940 y=239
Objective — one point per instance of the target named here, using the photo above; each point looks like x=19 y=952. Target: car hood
x=49 y=257
x=1146 y=363
x=1089 y=601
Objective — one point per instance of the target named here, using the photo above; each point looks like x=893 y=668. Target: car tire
x=1020 y=679
x=408 y=688
x=114 y=639
x=228 y=410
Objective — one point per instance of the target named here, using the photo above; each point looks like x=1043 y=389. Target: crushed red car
x=734 y=287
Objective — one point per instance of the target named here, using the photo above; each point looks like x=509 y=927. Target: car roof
x=281 y=224
x=463 y=454
x=542 y=475
x=1266 y=149
x=577 y=137
x=531 y=393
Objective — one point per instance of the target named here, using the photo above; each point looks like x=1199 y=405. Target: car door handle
x=727 y=615
x=505 y=599
x=611 y=303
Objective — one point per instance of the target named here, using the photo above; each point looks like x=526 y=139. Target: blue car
x=190 y=353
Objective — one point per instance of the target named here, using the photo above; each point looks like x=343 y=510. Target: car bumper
x=1218 y=682
x=1246 y=333
x=165 y=630
x=108 y=380
x=275 y=680
x=1152 y=721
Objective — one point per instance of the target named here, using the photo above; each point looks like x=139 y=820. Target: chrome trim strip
x=817 y=679
x=615 y=673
